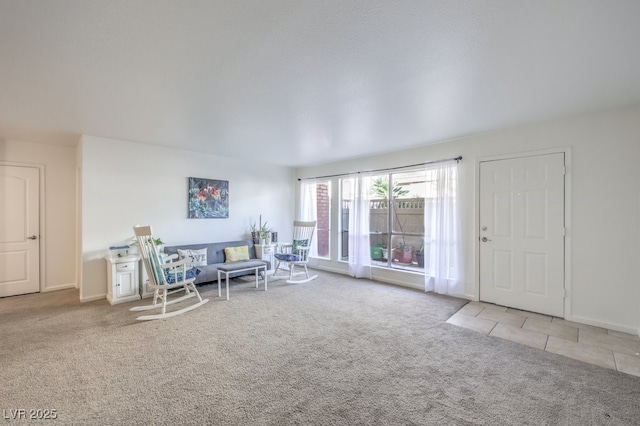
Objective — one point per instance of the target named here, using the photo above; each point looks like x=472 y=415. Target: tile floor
x=595 y=345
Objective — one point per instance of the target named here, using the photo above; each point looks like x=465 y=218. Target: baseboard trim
x=93 y=298
x=392 y=281
x=602 y=324
x=328 y=269
x=59 y=287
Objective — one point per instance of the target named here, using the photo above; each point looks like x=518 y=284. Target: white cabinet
x=267 y=252
x=122 y=279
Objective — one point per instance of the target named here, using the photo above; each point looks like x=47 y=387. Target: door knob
x=33 y=237
x=485 y=239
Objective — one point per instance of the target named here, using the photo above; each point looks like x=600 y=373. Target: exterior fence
x=409 y=216
x=408 y=221
x=400 y=203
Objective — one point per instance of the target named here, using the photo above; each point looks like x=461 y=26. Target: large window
x=405 y=219
x=396 y=209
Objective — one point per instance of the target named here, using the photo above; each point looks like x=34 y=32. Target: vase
x=403 y=254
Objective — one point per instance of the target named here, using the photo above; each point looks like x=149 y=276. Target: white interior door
x=19 y=230
x=522 y=233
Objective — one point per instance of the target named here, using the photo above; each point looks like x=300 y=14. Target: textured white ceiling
x=307 y=82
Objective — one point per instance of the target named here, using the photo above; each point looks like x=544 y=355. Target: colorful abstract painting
x=208 y=198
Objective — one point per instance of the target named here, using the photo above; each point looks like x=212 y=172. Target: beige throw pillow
x=235 y=254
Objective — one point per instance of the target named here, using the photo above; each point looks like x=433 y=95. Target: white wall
x=126 y=183
x=605 y=204
x=58 y=236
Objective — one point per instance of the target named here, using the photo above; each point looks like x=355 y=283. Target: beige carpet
x=335 y=351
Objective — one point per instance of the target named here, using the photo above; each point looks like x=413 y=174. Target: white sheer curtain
x=308 y=209
x=359 y=249
x=442 y=224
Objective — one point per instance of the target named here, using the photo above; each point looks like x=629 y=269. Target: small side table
x=122 y=279
x=267 y=252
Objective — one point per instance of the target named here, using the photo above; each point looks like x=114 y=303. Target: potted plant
x=420 y=256
x=265 y=234
x=133 y=244
x=376 y=252
x=261 y=233
x=255 y=233
x=133 y=241
x=403 y=253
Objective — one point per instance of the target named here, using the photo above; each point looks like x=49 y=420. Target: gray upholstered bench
x=241 y=266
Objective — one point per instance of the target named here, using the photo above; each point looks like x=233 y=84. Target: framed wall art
x=208 y=198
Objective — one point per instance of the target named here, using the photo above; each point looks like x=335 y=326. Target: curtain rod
x=457 y=160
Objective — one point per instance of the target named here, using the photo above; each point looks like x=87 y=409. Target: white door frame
x=567 y=216
x=41 y=216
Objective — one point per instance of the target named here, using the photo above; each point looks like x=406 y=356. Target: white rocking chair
x=165 y=278
x=296 y=254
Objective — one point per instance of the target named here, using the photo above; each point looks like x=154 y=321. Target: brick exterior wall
x=323 y=213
